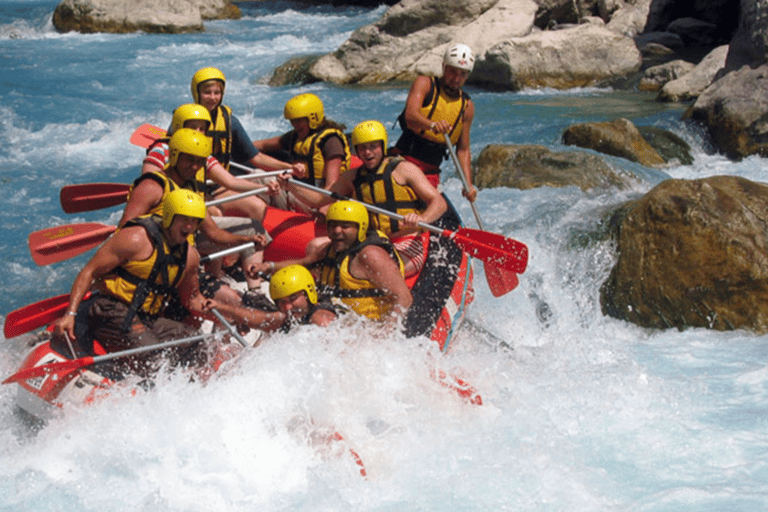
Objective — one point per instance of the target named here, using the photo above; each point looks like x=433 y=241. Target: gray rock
x=690 y=85
x=527 y=166
x=734 y=109
x=619 y=138
x=153 y=16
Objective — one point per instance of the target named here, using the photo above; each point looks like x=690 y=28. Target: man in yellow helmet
x=231 y=143
x=189 y=151
x=315 y=141
x=393 y=184
x=439 y=106
x=135 y=274
x=294 y=292
x=361 y=267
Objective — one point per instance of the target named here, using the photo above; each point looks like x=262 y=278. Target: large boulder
x=693 y=253
x=412 y=36
x=154 y=16
x=749 y=45
x=690 y=85
x=526 y=166
x=582 y=56
x=734 y=109
x=619 y=137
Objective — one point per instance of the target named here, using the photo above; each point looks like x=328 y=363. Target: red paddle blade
x=492 y=248
x=92 y=196
x=35 y=315
x=46 y=369
x=146 y=134
x=500 y=281
x=63 y=242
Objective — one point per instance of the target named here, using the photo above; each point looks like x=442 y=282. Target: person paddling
x=135 y=274
x=294 y=292
x=197 y=117
x=436 y=107
x=316 y=141
x=230 y=140
x=391 y=183
x=189 y=151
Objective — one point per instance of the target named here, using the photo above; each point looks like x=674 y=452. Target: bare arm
x=271 y=144
x=376 y=265
x=189 y=290
x=413 y=117
x=408 y=174
x=142 y=199
x=125 y=245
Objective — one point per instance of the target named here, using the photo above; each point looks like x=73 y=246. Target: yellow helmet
x=191 y=142
x=189 y=112
x=369 y=131
x=291 y=279
x=305 y=105
x=203 y=75
x=182 y=201
x=349 y=211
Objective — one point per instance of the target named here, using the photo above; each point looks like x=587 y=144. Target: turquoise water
x=587 y=413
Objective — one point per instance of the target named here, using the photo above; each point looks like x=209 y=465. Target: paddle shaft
x=463 y=178
x=230 y=328
x=75 y=364
x=370 y=207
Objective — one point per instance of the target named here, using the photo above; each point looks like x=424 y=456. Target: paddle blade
x=46 y=369
x=87 y=197
x=35 y=315
x=500 y=281
x=146 y=134
x=503 y=252
x=64 y=242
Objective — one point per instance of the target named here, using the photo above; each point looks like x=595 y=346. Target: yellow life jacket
x=360 y=295
x=309 y=151
x=147 y=285
x=380 y=189
x=169 y=186
x=221 y=133
x=438 y=105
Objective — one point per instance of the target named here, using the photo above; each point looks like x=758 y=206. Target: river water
x=583 y=413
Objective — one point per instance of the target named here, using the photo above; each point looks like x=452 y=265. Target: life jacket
x=168 y=186
x=360 y=295
x=221 y=133
x=380 y=189
x=309 y=152
x=426 y=145
x=147 y=286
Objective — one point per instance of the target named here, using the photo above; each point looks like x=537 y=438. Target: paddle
x=505 y=252
x=76 y=364
x=500 y=281
x=86 y=197
x=92 y=196
x=146 y=134
x=60 y=243
x=33 y=316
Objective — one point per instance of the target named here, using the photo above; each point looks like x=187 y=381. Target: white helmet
x=459 y=56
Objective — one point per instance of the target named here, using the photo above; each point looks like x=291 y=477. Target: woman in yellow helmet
x=197 y=117
x=231 y=143
x=315 y=140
